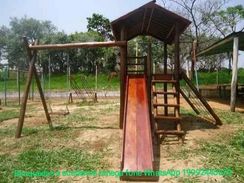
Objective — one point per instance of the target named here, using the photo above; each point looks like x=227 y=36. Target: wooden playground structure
x=145 y=97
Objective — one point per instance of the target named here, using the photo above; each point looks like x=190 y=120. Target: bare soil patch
x=103 y=134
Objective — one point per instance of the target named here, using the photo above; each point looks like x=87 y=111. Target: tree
x=33 y=29
x=200 y=30
x=85 y=59
x=58 y=58
x=100 y=24
x=226 y=21
x=4 y=32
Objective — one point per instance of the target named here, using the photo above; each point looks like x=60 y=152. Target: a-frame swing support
x=32 y=56
x=32 y=50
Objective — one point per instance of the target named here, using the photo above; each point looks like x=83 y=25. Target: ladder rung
x=169 y=118
x=162 y=76
x=163 y=92
x=165 y=105
x=163 y=81
x=135 y=64
x=135 y=71
x=170 y=132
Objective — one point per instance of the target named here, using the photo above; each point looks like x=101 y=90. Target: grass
x=62 y=149
x=48 y=160
x=59 y=82
x=58 y=151
x=224 y=151
x=206 y=78
x=227 y=151
x=230 y=117
x=9 y=114
x=41 y=149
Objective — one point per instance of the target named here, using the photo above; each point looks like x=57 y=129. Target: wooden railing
x=202 y=104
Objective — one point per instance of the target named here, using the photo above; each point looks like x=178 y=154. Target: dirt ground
x=104 y=133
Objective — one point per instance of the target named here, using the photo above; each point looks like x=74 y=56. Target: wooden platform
x=137 y=152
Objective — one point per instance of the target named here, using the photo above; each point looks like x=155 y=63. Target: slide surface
x=137 y=152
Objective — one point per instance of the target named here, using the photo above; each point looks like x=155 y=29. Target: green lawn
x=59 y=81
x=70 y=147
x=205 y=78
x=9 y=114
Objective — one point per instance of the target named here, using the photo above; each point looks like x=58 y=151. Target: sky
x=70 y=15
x=67 y=15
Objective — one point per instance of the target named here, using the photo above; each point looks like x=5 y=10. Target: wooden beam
x=207 y=51
x=234 y=74
x=189 y=102
x=170 y=32
x=165 y=57
x=150 y=20
x=25 y=95
x=143 y=21
x=149 y=78
x=177 y=72
x=165 y=84
x=32 y=70
x=199 y=96
x=79 y=45
x=123 y=62
x=177 y=55
x=38 y=83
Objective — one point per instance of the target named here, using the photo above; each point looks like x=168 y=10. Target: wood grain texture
x=138 y=152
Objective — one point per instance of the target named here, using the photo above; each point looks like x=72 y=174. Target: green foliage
x=101 y=25
x=4 y=32
x=228 y=19
x=29 y=27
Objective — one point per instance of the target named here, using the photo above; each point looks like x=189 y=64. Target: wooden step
x=162 y=76
x=165 y=105
x=170 y=132
x=163 y=81
x=142 y=64
x=167 y=118
x=135 y=71
x=160 y=92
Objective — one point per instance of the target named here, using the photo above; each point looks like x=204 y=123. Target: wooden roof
x=224 y=45
x=149 y=19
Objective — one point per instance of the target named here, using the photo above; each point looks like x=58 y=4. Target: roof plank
x=151 y=23
x=224 y=45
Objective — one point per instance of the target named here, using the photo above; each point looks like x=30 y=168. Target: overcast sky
x=70 y=15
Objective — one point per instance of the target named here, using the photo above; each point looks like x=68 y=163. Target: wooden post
x=165 y=84
x=149 y=76
x=25 y=96
x=177 y=72
x=234 y=74
x=18 y=83
x=32 y=71
x=194 y=60
x=177 y=58
x=38 y=83
x=123 y=62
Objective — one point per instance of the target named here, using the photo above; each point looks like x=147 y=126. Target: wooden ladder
x=161 y=106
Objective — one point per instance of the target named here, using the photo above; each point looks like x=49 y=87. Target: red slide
x=137 y=152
